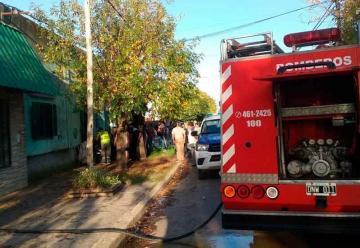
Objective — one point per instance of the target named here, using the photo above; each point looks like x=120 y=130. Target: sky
x=199 y=17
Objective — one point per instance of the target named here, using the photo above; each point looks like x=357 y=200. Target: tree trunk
x=139 y=121
x=142 y=143
x=121 y=143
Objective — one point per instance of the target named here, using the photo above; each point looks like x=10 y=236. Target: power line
x=323 y=17
x=24 y=13
x=250 y=23
x=115 y=9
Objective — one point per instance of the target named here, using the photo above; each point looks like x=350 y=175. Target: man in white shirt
x=191 y=139
x=178 y=136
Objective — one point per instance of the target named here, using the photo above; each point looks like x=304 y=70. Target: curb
x=138 y=211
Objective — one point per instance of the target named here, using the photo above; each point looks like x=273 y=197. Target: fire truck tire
x=201 y=174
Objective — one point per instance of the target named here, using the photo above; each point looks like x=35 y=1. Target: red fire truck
x=290 y=132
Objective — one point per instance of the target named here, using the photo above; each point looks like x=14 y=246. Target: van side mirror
x=194 y=133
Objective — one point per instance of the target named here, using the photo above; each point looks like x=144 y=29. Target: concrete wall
x=68 y=126
x=48 y=156
x=44 y=165
x=15 y=176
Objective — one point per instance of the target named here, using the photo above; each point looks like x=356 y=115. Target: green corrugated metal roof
x=20 y=67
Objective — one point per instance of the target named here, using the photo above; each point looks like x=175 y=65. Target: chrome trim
x=226 y=44
x=358 y=27
x=280 y=140
x=249 y=178
x=319 y=181
x=291 y=213
x=249 y=35
x=289 y=54
x=346 y=108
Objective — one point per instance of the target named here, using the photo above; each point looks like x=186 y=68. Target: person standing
x=150 y=135
x=191 y=139
x=178 y=138
x=105 y=145
x=113 y=144
x=161 y=134
x=197 y=127
x=133 y=143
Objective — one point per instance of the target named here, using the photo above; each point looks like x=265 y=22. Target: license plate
x=321 y=189
x=215 y=158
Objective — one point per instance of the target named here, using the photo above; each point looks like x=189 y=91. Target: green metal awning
x=20 y=66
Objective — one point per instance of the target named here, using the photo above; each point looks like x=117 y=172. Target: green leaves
x=349 y=19
x=343 y=11
x=91 y=178
x=136 y=57
x=183 y=103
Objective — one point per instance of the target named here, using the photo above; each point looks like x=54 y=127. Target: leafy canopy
x=137 y=60
x=346 y=14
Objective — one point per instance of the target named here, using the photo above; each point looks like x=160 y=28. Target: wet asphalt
x=194 y=200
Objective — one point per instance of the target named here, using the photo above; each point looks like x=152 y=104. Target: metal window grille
x=43 y=121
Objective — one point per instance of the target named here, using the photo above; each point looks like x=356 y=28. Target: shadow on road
x=192 y=201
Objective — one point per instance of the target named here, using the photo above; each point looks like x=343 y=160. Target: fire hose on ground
x=126 y=231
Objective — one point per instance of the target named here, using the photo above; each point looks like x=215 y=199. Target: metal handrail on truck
x=237 y=48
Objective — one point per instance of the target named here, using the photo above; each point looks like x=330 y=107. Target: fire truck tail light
x=312 y=37
x=272 y=192
x=229 y=191
x=243 y=191
x=257 y=192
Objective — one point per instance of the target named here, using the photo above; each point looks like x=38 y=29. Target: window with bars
x=5 y=160
x=43 y=121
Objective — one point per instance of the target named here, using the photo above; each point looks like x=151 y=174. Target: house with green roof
x=39 y=124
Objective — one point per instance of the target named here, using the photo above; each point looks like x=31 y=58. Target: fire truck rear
x=290 y=133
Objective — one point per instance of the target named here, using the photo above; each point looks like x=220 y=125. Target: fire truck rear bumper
x=291 y=221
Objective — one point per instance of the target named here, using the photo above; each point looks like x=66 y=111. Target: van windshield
x=211 y=126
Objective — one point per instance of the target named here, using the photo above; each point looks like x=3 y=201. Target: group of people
x=157 y=135
x=109 y=146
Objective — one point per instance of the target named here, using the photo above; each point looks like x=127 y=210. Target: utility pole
x=89 y=84
x=337 y=13
x=358 y=25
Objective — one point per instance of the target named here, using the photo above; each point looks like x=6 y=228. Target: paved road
x=194 y=200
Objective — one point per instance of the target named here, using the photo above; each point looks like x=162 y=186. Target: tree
x=348 y=18
x=195 y=104
x=135 y=52
x=136 y=55
x=198 y=107
x=344 y=14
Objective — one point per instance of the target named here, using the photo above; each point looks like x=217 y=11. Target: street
x=101 y=100
x=193 y=201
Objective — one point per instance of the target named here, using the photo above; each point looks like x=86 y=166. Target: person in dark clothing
x=161 y=134
x=97 y=149
x=133 y=142
x=150 y=135
x=112 y=143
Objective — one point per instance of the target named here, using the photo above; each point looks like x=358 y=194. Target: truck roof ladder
x=233 y=48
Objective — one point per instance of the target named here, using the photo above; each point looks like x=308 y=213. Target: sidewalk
x=46 y=206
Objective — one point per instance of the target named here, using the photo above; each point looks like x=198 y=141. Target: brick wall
x=15 y=177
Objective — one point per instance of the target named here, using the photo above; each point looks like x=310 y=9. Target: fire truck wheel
x=201 y=174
